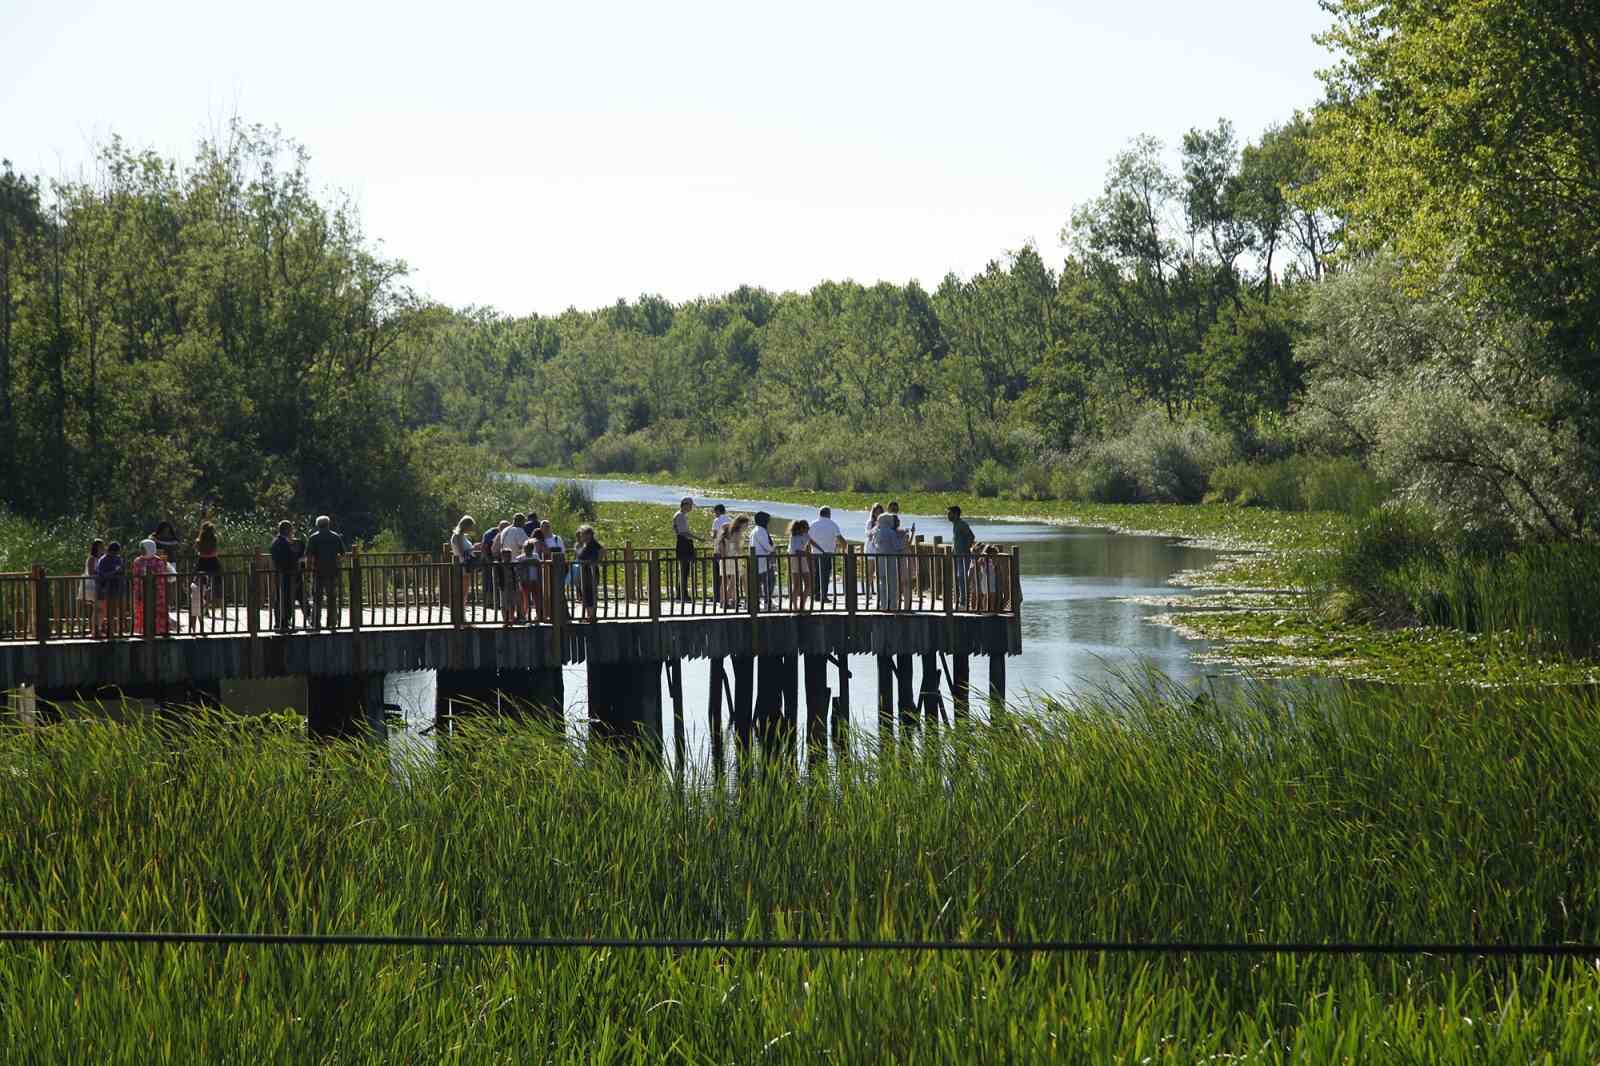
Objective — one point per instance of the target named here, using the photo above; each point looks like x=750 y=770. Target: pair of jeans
x=961 y=562
x=824 y=576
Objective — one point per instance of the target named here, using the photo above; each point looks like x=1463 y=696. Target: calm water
x=1081 y=625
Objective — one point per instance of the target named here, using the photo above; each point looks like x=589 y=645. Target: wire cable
x=680 y=944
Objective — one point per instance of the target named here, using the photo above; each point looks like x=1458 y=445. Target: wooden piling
x=885 y=697
x=744 y=668
x=817 y=700
x=716 y=680
x=997 y=685
x=961 y=687
x=904 y=670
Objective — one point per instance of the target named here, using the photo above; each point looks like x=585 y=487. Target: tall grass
x=1547 y=594
x=1300 y=483
x=1397 y=568
x=1297 y=815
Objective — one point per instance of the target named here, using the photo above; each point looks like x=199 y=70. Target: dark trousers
x=286 y=598
x=325 y=589
x=824 y=575
x=685 y=566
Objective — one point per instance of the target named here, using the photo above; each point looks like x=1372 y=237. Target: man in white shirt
x=761 y=544
x=826 y=536
x=508 y=546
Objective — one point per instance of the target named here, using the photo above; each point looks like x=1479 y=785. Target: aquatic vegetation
x=1293 y=814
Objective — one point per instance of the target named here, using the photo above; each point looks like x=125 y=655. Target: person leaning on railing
x=464 y=549
x=828 y=540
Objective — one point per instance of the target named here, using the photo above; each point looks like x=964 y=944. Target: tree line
x=1404 y=276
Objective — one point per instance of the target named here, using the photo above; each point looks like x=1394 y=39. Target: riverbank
x=1257 y=606
x=1358 y=828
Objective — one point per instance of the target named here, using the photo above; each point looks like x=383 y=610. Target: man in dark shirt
x=963 y=541
x=286 y=554
x=324 y=547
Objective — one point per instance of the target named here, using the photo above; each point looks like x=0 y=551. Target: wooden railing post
x=252 y=596
x=41 y=603
x=654 y=577
x=936 y=579
x=147 y=591
x=754 y=584
x=455 y=589
x=850 y=568
x=629 y=582
x=1016 y=578
x=946 y=562
x=356 y=599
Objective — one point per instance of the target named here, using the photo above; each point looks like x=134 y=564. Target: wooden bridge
x=499 y=636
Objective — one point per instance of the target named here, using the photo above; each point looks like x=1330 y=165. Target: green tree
x=1469 y=134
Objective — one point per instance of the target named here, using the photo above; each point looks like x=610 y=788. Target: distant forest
x=1403 y=279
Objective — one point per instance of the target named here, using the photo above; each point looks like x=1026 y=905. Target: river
x=1087 y=604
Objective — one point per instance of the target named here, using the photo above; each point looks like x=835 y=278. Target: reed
x=1293 y=814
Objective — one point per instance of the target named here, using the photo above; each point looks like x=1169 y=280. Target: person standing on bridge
x=150 y=566
x=590 y=552
x=961 y=537
x=112 y=586
x=685 y=546
x=325 y=547
x=827 y=540
x=286 y=555
x=889 y=544
x=761 y=545
x=719 y=522
x=510 y=544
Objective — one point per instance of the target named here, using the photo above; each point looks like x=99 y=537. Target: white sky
x=532 y=156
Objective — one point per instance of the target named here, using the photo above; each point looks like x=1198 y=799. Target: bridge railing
x=411 y=591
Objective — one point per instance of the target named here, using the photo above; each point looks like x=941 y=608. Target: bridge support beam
x=997 y=685
x=744 y=676
x=459 y=693
x=930 y=698
x=625 y=703
x=960 y=687
x=817 y=699
x=904 y=669
x=841 y=706
x=345 y=707
x=716 y=687
x=540 y=693
x=885 y=698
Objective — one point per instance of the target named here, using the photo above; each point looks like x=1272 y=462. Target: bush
x=1370 y=562
x=1105 y=476
x=990 y=478
x=1300 y=483
x=1157 y=461
x=1034 y=482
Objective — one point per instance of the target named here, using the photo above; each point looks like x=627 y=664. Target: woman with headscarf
x=889 y=546
x=150 y=565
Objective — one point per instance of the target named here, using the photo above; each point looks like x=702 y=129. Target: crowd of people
x=511 y=555
x=108 y=577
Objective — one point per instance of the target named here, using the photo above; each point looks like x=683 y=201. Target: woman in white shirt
x=761 y=544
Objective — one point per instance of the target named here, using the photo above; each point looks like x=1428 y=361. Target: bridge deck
x=430 y=615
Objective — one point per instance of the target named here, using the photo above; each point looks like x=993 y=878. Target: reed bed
x=1296 y=814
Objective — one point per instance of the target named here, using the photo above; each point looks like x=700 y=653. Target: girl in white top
x=799 y=564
